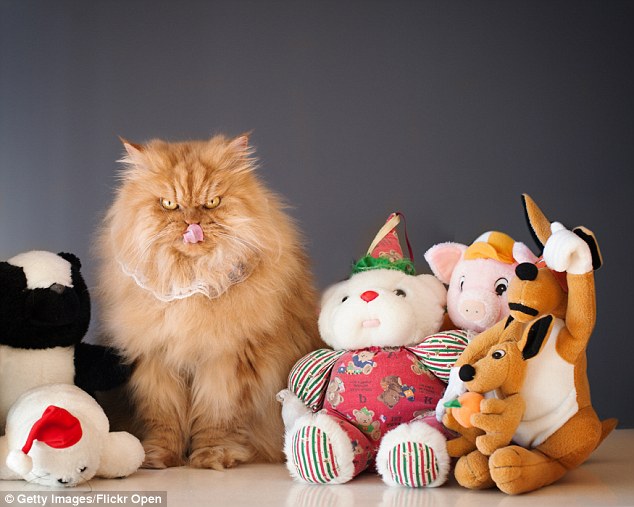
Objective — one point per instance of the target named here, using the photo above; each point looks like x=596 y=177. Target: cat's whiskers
x=254 y=246
x=257 y=248
x=241 y=241
x=137 y=268
x=83 y=481
x=37 y=477
x=151 y=241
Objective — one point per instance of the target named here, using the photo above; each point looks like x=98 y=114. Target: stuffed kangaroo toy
x=552 y=315
x=500 y=371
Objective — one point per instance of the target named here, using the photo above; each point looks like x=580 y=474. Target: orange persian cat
x=205 y=288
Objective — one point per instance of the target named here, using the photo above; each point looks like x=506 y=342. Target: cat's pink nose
x=369 y=295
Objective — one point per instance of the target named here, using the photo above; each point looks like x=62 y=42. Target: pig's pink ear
x=521 y=253
x=442 y=259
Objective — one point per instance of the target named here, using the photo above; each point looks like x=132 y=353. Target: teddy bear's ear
x=435 y=286
x=72 y=258
x=443 y=258
x=12 y=276
x=327 y=294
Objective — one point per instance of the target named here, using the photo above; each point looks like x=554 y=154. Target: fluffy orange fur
x=212 y=328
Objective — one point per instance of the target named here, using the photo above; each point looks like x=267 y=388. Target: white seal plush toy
x=371 y=399
x=57 y=435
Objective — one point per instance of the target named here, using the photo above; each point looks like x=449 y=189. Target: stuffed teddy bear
x=477 y=277
x=371 y=398
x=552 y=315
x=44 y=314
x=58 y=436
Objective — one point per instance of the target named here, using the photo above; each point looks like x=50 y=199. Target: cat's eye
x=168 y=204
x=212 y=203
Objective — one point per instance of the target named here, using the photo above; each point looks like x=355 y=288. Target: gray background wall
x=447 y=111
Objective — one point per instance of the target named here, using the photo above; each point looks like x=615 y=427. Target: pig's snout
x=473 y=310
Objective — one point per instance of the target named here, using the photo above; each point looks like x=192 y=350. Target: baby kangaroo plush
x=501 y=371
x=552 y=315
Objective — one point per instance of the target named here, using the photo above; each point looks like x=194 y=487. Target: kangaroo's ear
x=588 y=236
x=532 y=341
x=539 y=225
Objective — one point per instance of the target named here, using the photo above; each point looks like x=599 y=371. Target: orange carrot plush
x=464 y=407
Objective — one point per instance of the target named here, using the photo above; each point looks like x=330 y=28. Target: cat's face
x=191 y=205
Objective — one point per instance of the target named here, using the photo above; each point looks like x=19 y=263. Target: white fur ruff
x=176 y=293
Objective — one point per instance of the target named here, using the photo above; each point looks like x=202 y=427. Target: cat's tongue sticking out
x=194 y=234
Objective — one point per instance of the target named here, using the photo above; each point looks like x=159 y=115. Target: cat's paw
x=218 y=458
x=159 y=457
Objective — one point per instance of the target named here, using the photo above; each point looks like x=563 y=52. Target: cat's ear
x=241 y=144
x=135 y=152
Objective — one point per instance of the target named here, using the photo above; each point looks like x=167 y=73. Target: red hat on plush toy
x=57 y=428
x=385 y=251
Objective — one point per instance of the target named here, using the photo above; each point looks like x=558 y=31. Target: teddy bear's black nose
x=62 y=481
x=526 y=271
x=466 y=372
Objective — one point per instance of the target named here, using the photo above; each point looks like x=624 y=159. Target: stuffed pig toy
x=58 y=436
x=370 y=399
x=478 y=277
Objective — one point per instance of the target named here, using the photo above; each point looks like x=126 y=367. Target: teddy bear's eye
x=501 y=284
x=345 y=298
x=461 y=283
x=82 y=469
x=400 y=292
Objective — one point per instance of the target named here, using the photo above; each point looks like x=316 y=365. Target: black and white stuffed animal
x=44 y=314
